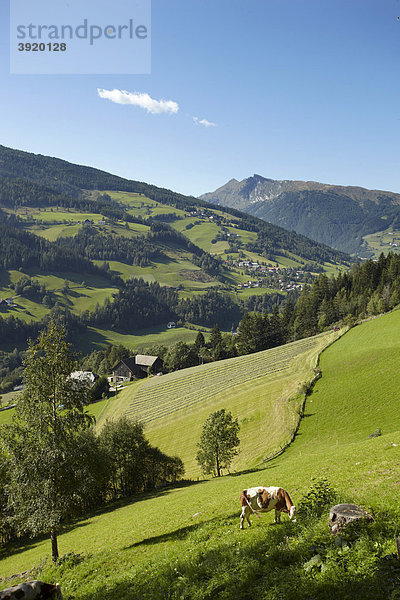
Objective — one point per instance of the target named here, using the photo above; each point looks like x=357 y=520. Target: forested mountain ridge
x=117 y=260
x=340 y=216
x=67 y=179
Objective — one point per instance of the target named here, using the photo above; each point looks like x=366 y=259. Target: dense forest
x=93 y=245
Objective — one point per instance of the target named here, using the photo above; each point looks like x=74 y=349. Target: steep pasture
x=359 y=389
x=185 y=542
x=100 y=338
x=180 y=390
x=261 y=389
x=52 y=232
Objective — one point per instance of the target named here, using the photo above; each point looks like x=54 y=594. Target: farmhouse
x=86 y=377
x=136 y=366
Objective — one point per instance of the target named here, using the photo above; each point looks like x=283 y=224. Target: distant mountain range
x=339 y=216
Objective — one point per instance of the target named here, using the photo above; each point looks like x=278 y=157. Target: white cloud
x=204 y=122
x=142 y=100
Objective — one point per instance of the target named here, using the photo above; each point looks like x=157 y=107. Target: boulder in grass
x=342 y=514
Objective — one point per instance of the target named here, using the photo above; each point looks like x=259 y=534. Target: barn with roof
x=136 y=367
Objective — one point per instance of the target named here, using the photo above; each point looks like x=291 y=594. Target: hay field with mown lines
x=182 y=389
x=262 y=390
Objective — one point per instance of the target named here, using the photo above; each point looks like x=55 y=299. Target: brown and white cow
x=32 y=590
x=263 y=499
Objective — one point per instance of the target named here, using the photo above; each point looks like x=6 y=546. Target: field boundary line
x=310 y=386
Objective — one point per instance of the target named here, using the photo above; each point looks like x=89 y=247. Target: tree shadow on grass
x=179 y=534
x=258 y=468
x=122 y=502
x=269 y=567
x=26 y=543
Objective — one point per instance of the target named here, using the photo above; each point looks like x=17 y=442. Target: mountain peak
x=260 y=178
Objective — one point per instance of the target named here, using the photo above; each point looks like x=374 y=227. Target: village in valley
x=286 y=279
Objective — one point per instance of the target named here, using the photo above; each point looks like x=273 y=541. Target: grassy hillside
x=175 y=265
x=185 y=542
x=261 y=389
x=97 y=231
x=383 y=241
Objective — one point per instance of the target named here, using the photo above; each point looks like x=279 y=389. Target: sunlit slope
x=260 y=389
x=360 y=386
x=358 y=392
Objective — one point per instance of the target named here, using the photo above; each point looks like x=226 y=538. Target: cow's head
x=292 y=514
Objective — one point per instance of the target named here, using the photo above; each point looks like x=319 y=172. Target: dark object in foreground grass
x=376 y=433
x=32 y=590
x=342 y=514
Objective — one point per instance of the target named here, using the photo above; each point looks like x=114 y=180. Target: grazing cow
x=32 y=590
x=263 y=499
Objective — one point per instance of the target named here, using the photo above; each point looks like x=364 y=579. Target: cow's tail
x=243 y=498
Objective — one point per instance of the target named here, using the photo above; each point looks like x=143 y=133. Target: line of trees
x=370 y=288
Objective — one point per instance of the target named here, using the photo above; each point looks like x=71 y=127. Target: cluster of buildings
x=290 y=286
x=283 y=286
x=128 y=369
x=286 y=279
x=89 y=222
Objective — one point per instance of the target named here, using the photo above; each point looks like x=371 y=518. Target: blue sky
x=299 y=89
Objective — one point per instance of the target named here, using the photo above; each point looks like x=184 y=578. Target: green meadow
x=262 y=390
x=49 y=215
x=203 y=234
x=55 y=231
x=174 y=270
x=96 y=338
x=140 y=206
x=185 y=542
x=85 y=291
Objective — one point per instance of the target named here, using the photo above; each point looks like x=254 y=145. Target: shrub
x=317 y=499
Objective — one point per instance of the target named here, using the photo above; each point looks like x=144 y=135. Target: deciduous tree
x=44 y=442
x=218 y=443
